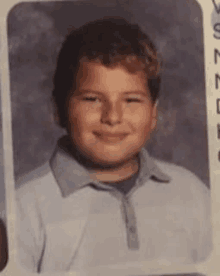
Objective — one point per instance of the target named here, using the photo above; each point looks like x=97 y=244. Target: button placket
x=131 y=224
x=129 y=216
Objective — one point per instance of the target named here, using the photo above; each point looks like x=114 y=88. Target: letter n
x=217 y=53
x=218 y=129
x=217 y=78
x=218 y=106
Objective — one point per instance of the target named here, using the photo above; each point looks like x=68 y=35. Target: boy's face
x=111 y=114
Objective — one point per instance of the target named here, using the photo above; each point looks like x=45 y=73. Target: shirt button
x=132 y=229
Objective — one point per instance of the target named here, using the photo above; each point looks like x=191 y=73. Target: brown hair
x=111 y=42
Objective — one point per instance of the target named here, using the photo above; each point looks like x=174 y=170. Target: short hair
x=111 y=42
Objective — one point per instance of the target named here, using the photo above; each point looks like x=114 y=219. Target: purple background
x=36 y=31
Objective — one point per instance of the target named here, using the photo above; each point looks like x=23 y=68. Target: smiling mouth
x=111 y=137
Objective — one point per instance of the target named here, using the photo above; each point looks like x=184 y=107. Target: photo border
x=211 y=267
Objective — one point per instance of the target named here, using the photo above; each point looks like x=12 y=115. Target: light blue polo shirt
x=68 y=221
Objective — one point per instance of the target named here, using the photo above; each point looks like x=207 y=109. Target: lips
x=109 y=137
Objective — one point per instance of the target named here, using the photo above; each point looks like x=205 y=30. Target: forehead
x=95 y=76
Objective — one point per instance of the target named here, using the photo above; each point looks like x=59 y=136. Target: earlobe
x=54 y=112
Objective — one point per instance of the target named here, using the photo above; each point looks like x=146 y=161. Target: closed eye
x=131 y=100
x=91 y=99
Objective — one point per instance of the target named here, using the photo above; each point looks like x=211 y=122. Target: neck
x=117 y=174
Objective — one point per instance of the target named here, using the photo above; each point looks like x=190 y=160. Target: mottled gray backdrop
x=36 y=31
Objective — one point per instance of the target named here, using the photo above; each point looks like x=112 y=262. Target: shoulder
x=175 y=170
x=184 y=181
x=35 y=190
x=178 y=172
x=190 y=196
x=38 y=181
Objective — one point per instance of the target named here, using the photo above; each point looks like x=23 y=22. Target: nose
x=112 y=114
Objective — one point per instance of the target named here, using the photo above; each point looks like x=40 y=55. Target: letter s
x=217 y=29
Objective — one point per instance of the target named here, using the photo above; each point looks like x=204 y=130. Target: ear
x=54 y=112
x=154 y=116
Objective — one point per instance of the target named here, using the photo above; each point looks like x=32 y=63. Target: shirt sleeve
x=202 y=210
x=29 y=230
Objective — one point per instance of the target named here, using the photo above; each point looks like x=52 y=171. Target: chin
x=105 y=161
x=106 y=164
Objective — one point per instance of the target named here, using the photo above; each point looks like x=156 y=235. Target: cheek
x=81 y=118
x=141 y=118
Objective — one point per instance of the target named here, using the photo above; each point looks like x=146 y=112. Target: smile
x=110 y=137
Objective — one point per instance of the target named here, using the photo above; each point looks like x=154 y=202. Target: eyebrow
x=84 y=91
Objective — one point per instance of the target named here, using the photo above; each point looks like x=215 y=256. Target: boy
x=101 y=199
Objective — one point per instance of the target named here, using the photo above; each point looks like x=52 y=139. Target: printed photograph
x=109 y=133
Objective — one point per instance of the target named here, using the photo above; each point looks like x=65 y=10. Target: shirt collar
x=71 y=175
